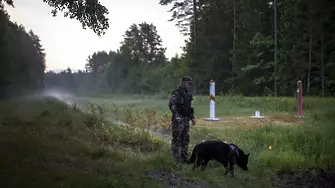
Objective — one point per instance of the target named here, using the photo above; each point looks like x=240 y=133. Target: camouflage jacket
x=181 y=104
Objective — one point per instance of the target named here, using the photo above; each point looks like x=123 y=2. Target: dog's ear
x=248 y=154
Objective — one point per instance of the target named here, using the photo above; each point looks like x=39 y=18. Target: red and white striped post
x=299 y=96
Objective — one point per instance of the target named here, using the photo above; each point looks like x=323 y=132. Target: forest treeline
x=22 y=57
x=232 y=41
x=241 y=64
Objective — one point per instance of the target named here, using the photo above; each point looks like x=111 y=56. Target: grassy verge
x=45 y=143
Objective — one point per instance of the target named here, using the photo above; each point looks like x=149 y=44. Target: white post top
x=257 y=115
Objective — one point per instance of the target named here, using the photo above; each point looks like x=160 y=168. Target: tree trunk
x=195 y=43
x=275 y=50
x=234 y=46
x=322 y=65
x=310 y=48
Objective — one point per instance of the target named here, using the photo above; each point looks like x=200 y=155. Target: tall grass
x=299 y=145
x=45 y=143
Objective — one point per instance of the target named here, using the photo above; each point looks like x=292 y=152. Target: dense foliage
x=244 y=63
x=22 y=60
x=232 y=41
x=90 y=13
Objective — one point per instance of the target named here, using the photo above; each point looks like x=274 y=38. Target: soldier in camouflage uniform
x=182 y=112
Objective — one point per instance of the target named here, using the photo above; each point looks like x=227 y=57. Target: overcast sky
x=68 y=45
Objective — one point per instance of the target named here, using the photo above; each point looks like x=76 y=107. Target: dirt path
x=72 y=100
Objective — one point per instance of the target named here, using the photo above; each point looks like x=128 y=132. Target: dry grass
x=246 y=122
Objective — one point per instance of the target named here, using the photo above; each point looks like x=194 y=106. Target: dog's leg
x=204 y=164
x=225 y=164
x=197 y=163
x=194 y=166
x=231 y=168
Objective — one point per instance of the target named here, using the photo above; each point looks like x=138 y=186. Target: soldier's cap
x=186 y=79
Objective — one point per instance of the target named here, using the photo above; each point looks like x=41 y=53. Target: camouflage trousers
x=180 y=139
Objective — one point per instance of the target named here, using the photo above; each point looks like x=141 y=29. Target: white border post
x=212 y=102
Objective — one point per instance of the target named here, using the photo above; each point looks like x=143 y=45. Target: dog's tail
x=193 y=156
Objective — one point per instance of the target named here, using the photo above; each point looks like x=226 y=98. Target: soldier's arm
x=192 y=108
x=174 y=99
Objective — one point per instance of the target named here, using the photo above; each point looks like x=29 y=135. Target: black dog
x=226 y=154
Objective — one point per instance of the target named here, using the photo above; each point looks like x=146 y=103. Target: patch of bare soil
x=311 y=179
x=160 y=130
x=242 y=122
x=248 y=122
x=284 y=118
x=173 y=180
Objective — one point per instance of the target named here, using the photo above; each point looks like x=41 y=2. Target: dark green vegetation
x=244 y=65
x=22 y=57
x=44 y=143
x=22 y=60
x=90 y=13
x=47 y=144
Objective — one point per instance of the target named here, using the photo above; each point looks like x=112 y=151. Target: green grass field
x=45 y=143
